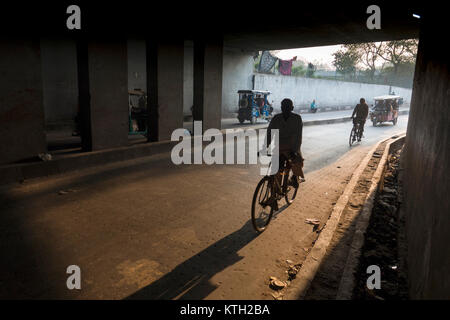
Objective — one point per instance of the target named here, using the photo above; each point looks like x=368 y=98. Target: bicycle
x=356 y=132
x=271 y=189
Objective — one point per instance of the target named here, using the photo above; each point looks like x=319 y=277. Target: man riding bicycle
x=290 y=126
x=359 y=115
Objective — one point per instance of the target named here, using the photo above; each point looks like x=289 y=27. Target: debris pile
x=45 y=156
x=278 y=285
x=382 y=246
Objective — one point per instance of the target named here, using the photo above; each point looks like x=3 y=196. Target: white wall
x=237 y=75
x=327 y=93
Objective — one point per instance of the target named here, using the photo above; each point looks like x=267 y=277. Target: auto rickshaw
x=385 y=109
x=137 y=112
x=253 y=104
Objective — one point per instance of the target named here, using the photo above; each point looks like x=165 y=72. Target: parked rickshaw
x=385 y=109
x=253 y=105
x=137 y=112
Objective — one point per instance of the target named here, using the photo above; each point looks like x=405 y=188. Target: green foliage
x=401 y=75
x=398 y=56
x=298 y=70
x=256 y=63
x=345 y=61
x=310 y=70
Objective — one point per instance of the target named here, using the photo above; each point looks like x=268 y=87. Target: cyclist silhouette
x=290 y=127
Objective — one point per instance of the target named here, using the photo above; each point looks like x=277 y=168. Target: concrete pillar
x=427 y=166
x=208 y=65
x=137 y=78
x=170 y=88
x=188 y=89
x=164 y=88
x=21 y=101
x=59 y=76
x=108 y=83
x=84 y=100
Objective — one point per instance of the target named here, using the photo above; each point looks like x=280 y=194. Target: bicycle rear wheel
x=352 y=138
x=291 y=192
x=262 y=210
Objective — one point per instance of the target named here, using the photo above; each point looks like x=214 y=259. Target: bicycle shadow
x=261 y=220
x=280 y=210
x=191 y=279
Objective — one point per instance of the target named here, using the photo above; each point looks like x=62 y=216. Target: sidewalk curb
x=310 y=266
x=347 y=282
x=313 y=122
x=18 y=172
x=343 y=119
x=326 y=121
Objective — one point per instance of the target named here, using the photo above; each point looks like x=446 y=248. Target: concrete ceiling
x=248 y=25
x=327 y=25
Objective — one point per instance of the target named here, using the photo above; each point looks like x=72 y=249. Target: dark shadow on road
x=25 y=271
x=280 y=210
x=191 y=279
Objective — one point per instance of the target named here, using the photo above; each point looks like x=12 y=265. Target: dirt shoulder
x=384 y=244
x=326 y=282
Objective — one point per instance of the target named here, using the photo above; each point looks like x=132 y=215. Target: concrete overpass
x=102 y=83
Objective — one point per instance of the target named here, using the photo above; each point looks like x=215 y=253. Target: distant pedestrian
x=313 y=106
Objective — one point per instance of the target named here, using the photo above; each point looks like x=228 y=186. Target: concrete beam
x=21 y=101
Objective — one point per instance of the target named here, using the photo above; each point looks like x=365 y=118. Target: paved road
x=146 y=228
x=325 y=143
x=62 y=142
x=230 y=123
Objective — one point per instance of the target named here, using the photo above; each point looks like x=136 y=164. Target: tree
x=298 y=70
x=345 y=61
x=399 y=52
x=368 y=54
x=310 y=70
x=412 y=47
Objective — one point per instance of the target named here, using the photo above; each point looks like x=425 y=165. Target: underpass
x=47 y=223
x=139 y=229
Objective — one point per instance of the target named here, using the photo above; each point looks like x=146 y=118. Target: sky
x=314 y=54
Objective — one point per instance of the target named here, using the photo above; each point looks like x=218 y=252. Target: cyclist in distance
x=359 y=115
x=290 y=126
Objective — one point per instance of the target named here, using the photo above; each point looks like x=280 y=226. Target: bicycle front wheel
x=262 y=209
